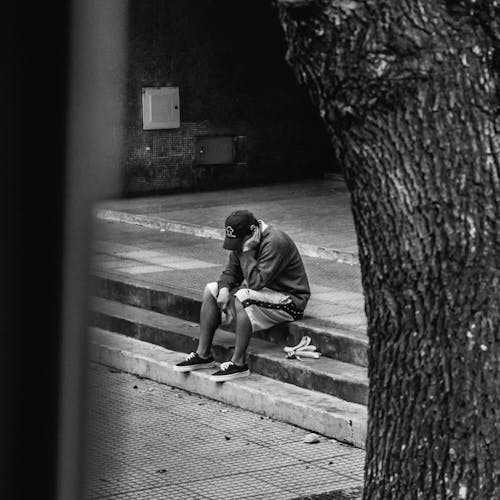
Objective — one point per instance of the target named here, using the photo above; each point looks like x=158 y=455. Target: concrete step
x=311 y=410
x=344 y=345
x=326 y=375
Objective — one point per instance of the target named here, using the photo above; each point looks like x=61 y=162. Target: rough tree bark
x=408 y=92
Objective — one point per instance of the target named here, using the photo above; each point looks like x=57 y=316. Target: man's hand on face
x=253 y=241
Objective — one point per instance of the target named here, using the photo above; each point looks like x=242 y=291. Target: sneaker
x=194 y=362
x=230 y=371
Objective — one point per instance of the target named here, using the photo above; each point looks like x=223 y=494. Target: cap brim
x=231 y=243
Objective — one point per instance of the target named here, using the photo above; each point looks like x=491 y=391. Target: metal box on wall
x=214 y=150
x=160 y=108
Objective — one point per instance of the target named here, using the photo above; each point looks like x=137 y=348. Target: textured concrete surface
x=186 y=261
x=150 y=441
x=308 y=409
x=317 y=214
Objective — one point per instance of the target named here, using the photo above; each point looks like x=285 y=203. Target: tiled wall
x=231 y=82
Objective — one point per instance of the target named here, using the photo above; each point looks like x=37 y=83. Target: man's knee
x=239 y=308
x=210 y=292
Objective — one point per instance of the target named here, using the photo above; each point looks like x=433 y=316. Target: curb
x=309 y=410
x=217 y=234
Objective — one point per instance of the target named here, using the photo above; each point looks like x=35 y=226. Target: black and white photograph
x=251 y=250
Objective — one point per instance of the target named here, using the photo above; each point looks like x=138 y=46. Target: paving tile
x=140 y=254
x=274 y=434
x=282 y=495
x=106 y=476
x=337 y=485
x=171 y=492
x=347 y=465
x=238 y=486
x=175 y=468
x=160 y=442
x=250 y=461
x=294 y=475
x=112 y=247
x=177 y=262
x=325 y=449
x=221 y=418
x=306 y=479
x=348 y=493
x=141 y=269
x=114 y=264
x=332 y=310
x=334 y=294
x=350 y=319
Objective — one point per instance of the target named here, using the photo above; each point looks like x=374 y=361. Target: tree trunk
x=408 y=92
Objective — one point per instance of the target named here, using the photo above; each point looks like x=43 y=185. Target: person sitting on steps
x=277 y=290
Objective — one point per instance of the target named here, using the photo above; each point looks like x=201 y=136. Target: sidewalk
x=150 y=441
x=316 y=214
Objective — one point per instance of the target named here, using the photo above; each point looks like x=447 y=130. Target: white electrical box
x=160 y=108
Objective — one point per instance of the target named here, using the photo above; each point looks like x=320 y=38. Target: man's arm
x=273 y=258
x=232 y=276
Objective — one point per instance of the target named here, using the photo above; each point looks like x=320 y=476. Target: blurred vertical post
x=95 y=126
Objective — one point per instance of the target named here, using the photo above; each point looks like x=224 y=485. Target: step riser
x=152 y=300
x=297 y=409
x=290 y=373
x=344 y=349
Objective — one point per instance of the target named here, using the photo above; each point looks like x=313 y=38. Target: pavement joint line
x=126 y=492
x=217 y=476
x=148 y=262
x=316 y=251
x=145 y=279
x=346 y=422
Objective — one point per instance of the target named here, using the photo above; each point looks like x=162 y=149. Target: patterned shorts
x=264 y=308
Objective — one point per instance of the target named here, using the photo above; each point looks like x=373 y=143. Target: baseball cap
x=238 y=225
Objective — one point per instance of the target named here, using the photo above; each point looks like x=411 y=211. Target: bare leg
x=209 y=321
x=243 y=334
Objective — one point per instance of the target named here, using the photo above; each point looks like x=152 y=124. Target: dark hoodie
x=275 y=264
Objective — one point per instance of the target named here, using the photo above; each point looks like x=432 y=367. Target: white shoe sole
x=224 y=378
x=192 y=368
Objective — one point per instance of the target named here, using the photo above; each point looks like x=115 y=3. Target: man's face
x=243 y=241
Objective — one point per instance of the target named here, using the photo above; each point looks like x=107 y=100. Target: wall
x=227 y=57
